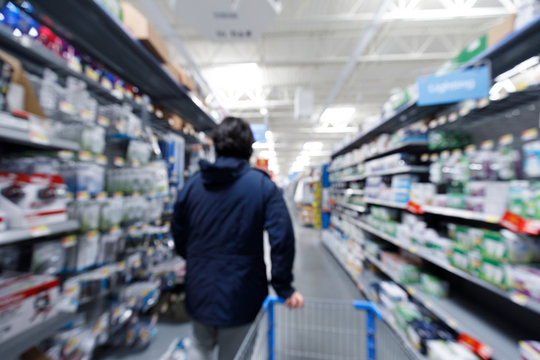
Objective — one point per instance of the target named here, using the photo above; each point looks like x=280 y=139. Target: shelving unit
x=111 y=44
x=392 y=204
x=12 y=348
x=443 y=263
x=459 y=317
x=395 y=171
x=16 y=235
x=351 y=206
x=15 y=130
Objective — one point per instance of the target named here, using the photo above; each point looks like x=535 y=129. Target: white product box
x=36 y=199
x=26 y=301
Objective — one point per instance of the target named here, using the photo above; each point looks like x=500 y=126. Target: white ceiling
x=312 y=40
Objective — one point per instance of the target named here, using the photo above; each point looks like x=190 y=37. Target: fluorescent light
x=244 y=76
x=258 y=145
x=340 y=116
x=264 y=111
x=268 y=154
x=313 y=146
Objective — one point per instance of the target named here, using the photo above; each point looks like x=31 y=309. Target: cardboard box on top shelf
x=500 y=31
x=141 y=28
x=31 y=101
x=180 y=75
x=175 y=122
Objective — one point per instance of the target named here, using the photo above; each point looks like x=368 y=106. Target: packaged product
x=459 y=257
x=25 y=301
x=443 y=350
x=32 y=199
x=391 y=294
x=111 y=213
x=526 y=280
x=529 y=350
x=531 y=159
x=405 y=312
x=419 y=333
x=48 y=258
x=495 y=272
x=88 y=214
x=10 y=256
x=509 y=247
x=87 y=250
x=405 y=270
x=84 y=177
x=434 y=286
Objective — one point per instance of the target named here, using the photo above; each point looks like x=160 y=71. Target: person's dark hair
x=233 y=138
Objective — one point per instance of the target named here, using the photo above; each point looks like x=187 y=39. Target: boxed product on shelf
x=406 y=312
x=111 y=213
x=87 y=213
x=529 y=350
x=143 y=30
x=525 y=280
x=32 y=199
x=509 y=247
x=405 y=270
x=48 y=258
x=26 y=301
x=83 y=177
x=459 y=257
x=90 y=139
x=87 y=250
x=422 y=193
x=391 y=294
x=495 y=272
x=434 y=286
x=444 y=350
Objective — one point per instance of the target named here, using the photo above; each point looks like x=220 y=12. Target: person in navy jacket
x=218 y=226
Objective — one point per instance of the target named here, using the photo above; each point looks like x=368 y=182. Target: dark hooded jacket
x=218 y=226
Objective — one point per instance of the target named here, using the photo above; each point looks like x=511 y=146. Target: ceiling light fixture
x=337 y=116
x=244 y=76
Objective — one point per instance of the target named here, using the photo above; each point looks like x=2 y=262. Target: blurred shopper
x=218 y=227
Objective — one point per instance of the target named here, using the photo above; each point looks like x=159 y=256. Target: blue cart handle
x=271 y=300
x=369 y=306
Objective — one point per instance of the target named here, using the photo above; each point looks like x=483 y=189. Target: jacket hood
x=225 y=170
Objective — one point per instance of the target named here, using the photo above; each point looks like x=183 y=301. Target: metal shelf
x=351 y=178
x=458 y=316
x=12 y=348
x=391 y=204
x=462 y=214
x=11 y=236
x=401 y=170
x=351 y=206
x=111 y=44
x=15 y=130
x=406 y=146
x=512 y=50
x=435 y=259
x=387 y=319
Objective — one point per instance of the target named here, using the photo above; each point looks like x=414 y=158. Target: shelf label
x=119 y=161
x=83 y=195
x=506 y=139
x=442 y=120
x=482 y=103
x=487 y=145
x=454 y=87
x=101 y=195
x=85 y=155
x=40 y=230
x=464 y=111
x=68 y=241
x=469 y=149
x=519 y=298
x=412 y=249
x=453 y=116
x=101 y=159
x=479 y=348
x=66 y=155
x=39 y=137
x=135 y=163
x=452 y=322
x=103 y=121
x=411 y=290
x=414 y=208
x=66 y=107
x=118 y=194
x=529 y=134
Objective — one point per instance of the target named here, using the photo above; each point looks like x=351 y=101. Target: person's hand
x=295 y=301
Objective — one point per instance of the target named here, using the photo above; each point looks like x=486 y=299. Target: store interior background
x=391 y=198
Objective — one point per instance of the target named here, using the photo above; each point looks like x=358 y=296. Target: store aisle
x=317 y=275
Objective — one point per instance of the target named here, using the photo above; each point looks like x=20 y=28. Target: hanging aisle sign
x=454 y=87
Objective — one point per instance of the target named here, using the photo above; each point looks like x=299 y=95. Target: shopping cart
x=322 y=330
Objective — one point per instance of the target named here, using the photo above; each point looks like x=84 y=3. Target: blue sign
x=454 y=87
x=259 y=132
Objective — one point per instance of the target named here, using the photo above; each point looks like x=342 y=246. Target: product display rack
x=111 y=44
x=12 y=236
x=427 y=255
x=361 y=286
x=464 y=311
x=14 y=347
x=351 y=206
x=509 y=52
x=12 y=131
x=458 y=317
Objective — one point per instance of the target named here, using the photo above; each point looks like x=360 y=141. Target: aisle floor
x=317 y=275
